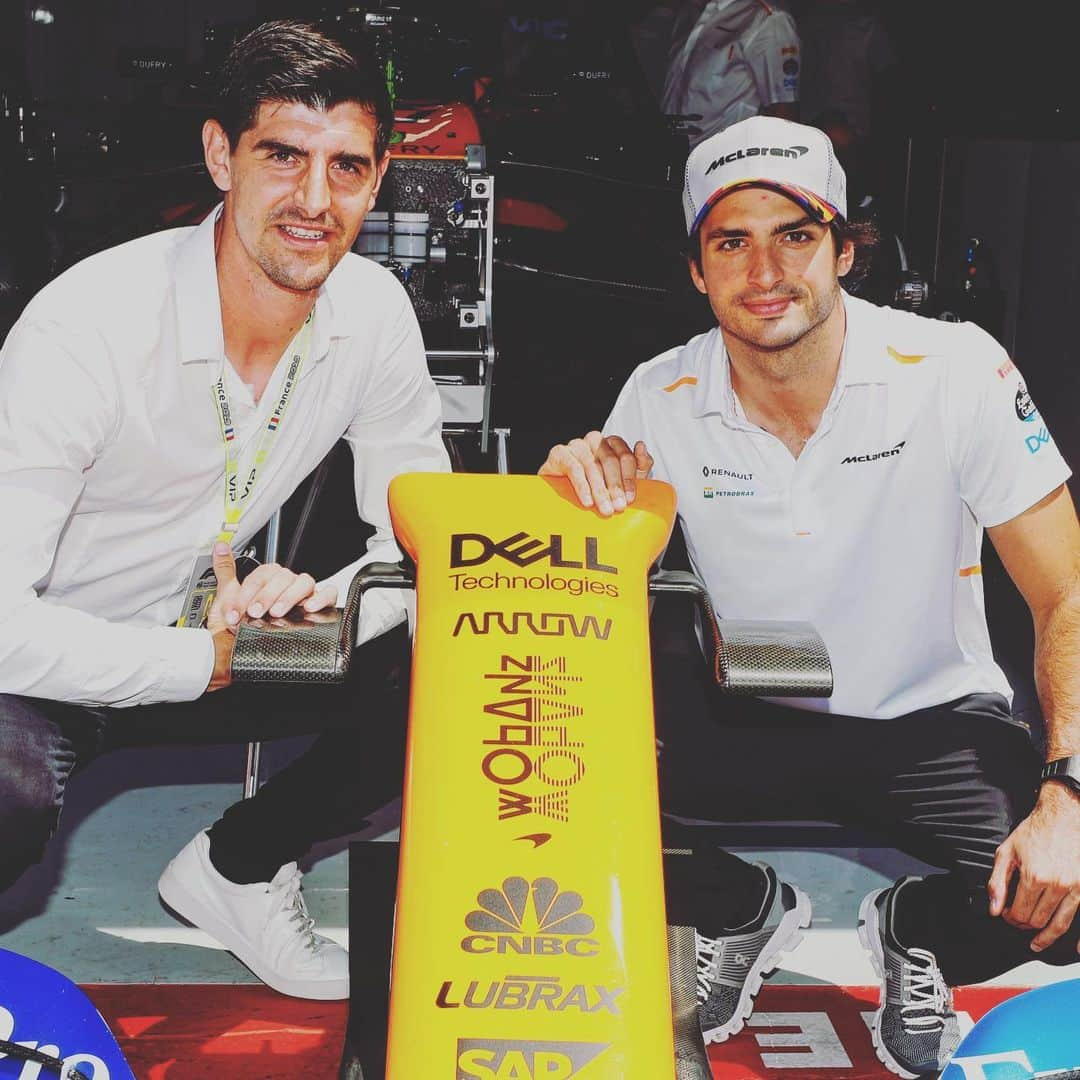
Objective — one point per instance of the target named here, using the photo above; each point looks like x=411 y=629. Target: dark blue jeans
x=353 y=768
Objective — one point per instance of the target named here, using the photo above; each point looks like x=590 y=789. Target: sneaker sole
x=784 y=939
x=173 y=892
x=870 y=939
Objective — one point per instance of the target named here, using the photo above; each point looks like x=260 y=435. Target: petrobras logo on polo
x=758 y=151
x=1025 y=407
x=529 y=993
x=513 y=1059
x=88 y=1066
x=474 y=549
x=530 y=920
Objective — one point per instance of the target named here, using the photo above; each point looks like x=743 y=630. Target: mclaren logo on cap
x=759 y=151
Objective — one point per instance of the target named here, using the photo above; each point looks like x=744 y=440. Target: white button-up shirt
x=873 y=534
x=112 y=462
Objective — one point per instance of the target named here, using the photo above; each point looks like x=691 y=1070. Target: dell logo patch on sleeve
x=1035 y=443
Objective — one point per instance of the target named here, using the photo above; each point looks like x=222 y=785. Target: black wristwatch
x=1065 y=769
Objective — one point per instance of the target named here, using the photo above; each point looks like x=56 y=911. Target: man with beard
x=158 y=402
x=837 y=462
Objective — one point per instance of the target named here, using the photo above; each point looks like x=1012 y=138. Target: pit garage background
x=570 y=265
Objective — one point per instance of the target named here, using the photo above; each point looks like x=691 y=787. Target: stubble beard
x=789 y=354
x=294 y=274
x=292 y=271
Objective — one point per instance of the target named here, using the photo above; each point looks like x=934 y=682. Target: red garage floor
x=217 y=1032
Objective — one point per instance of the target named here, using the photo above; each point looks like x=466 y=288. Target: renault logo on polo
x=521 y=549
x=530 y=920
x=511 y=1059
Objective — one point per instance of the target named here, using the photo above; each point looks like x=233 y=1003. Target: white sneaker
x=266 y=925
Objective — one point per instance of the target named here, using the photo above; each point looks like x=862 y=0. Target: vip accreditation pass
x=202 y=582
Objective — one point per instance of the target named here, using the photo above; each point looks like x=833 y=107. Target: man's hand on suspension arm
x=602 y=469
x=269 y=589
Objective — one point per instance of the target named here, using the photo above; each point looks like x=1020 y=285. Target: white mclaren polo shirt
x=873 y=534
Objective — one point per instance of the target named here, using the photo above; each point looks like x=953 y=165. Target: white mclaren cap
x=764 y=151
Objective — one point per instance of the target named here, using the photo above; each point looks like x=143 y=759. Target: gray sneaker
x=732 y=967
x=691 y=1061
x=915 y=1028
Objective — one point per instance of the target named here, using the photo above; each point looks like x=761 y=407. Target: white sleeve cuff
x=186 y=662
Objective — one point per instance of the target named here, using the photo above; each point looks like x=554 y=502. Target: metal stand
x=254 y=749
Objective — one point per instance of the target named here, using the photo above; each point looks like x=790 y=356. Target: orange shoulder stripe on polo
x=686 y=380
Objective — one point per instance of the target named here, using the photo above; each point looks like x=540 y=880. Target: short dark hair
x=292 y=61
x=863 y=234
x=865 y=237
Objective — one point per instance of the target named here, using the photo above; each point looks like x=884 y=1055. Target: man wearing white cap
x=837 y=462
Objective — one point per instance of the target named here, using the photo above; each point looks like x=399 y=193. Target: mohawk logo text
x=510 y=1059
x=541 y=624
x=474 y=549
x=758 y=151
x=529 y=920
x=534 y=748
x=530 y=992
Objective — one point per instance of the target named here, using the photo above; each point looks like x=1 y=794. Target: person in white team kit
x=838 y=462
x=729 y=60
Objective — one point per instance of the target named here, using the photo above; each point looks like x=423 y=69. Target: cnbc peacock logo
x=523 y=919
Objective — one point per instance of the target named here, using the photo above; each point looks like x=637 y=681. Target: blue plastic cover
x=44 y=1010
x=1036 y=1033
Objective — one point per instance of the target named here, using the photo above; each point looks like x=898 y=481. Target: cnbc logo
x=511 y=1059
x=524 y=919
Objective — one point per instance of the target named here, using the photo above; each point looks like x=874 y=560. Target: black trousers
x=946 y=785
x=352 y=768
